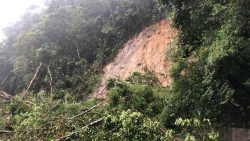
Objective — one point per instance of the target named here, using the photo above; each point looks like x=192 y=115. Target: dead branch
x=84 y=112
x=77 y=50
x=93 y=123
x=5 y=132
x=67 y=136
x=6 y=78
x=32 y=80
x=89 y=124
x=51 y=79
x=6 y=96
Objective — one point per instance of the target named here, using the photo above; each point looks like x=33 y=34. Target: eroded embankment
x=147 y=50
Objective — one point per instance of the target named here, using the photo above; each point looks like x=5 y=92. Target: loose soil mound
x=147 y=50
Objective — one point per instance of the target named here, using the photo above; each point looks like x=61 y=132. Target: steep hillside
x=145 y=51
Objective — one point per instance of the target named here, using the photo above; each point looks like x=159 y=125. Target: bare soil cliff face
x=147 y=50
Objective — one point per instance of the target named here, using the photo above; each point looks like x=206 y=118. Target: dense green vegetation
x=214 y=54
x=133 y=113
x=70 y=42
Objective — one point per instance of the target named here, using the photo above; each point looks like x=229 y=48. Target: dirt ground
x=146 y=50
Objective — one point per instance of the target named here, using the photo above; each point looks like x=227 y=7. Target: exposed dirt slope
x=147 y=50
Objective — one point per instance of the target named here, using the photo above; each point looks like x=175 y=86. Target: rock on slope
x=147 y=50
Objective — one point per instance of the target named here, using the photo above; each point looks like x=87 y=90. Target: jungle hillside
x=127 y=70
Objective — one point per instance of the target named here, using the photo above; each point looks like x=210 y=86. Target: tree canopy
x=72 y=40
x=51 y=61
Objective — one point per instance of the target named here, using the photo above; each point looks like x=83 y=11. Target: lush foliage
x=72 y=40
x=133 y=113
x=211 y=70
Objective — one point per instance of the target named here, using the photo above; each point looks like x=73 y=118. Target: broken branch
x=5 y=132
x=72 y=133
x=93 y=123
x=32 y=80
x=84 y=112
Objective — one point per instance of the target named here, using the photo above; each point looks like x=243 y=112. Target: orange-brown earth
x=147 y=50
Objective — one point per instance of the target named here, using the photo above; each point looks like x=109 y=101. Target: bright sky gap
x=12 y=10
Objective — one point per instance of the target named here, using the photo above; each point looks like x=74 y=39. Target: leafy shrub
x=137 y=97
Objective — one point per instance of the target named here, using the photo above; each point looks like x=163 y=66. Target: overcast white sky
x=11 y=10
